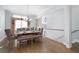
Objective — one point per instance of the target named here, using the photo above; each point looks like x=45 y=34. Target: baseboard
x=2 y=38
x=57 y=41
x=64 y=43
x=75 y=40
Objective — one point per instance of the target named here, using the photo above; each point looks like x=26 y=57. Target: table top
x=26 y=32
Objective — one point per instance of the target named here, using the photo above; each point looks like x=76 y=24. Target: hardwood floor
x=45 y=46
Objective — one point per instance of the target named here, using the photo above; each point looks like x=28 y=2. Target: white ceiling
x=26 y=9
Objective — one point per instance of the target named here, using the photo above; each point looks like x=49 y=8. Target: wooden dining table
x=27 y=33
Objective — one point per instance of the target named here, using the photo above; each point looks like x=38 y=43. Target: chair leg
x=40 y=39
x=30 y=41
x=7 y=43
x=18 y=44
x=15 y=43
x=34 y=40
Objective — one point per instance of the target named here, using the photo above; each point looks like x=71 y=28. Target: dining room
x=38 y=28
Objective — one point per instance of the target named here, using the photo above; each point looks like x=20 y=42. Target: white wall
x=8 y=16
x=54 y=17
x=2 y=24
x=55 y=20
x=75 y=23
x=75 y=17
x=55 y=35
x=33 y=21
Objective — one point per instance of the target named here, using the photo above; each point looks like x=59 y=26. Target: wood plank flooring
x=45 y=46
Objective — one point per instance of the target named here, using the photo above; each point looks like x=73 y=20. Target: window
x=24 y=24
x=44 y=20
x=20 y=24
x=21 y=21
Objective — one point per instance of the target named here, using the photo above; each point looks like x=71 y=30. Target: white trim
x=75 y=40
x=2 y=38
x=68 y=26
x=64 y=43
x=56 y=40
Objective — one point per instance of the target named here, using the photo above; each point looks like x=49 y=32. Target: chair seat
x=36 y=36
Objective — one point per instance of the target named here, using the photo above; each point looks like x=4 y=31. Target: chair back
x=32 y=28
x=41 y=31
x=8 y=32
x=20 y=29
